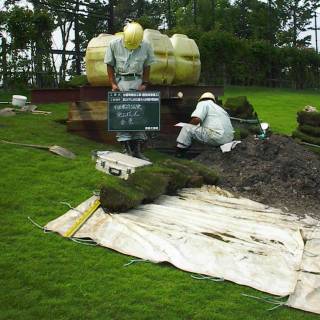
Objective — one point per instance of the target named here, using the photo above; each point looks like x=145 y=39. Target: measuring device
x=82 y=219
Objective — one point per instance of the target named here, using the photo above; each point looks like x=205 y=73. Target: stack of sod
x=148 y=183
x=239 y=107
x=309 y=127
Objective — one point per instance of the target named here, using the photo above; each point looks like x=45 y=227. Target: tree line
x=246 y=42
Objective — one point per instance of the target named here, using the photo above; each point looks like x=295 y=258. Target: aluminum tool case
x=118 y=164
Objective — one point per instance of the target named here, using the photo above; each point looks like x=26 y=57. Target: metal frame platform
x=90 y=93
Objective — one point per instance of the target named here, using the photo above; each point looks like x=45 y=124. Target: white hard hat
x=207 y=95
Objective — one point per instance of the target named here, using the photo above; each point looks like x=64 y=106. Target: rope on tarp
x=202 y=277
x=70 y=206
x=84 y=242
x=307 y=252
x=272 y=300
x=310 y=254
x=132 y=261
x=38 y=225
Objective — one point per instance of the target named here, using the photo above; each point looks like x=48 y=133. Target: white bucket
x=18 y=101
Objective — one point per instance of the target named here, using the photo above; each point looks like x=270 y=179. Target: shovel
x=54 y=149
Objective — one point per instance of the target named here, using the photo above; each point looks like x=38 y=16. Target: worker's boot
x=181 y=152
x=126 y=148
x=137 y=151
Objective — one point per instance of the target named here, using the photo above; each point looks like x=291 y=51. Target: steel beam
x=90 y=93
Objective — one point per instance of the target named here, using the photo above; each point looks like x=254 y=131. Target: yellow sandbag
x=188 y=65
x=95 y=66
x=163 y=70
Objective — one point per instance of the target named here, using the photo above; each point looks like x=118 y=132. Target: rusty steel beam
x=54 y=95
x=90 y=93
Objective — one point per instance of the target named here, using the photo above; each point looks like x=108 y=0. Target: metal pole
x=295 y=7
x=316 y=29
x=270 y=21
x=316 y=34
x=111 y=17
x=270 y=36
x=4 y=62
x=169 y=14
x=77 y=40
x=213 y=5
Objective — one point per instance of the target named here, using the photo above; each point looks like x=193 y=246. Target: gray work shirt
x=215 y=118
x=127 y=61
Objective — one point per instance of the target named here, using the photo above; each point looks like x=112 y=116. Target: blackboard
x=134 y=111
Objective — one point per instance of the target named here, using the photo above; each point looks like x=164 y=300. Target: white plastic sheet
x=208 y=231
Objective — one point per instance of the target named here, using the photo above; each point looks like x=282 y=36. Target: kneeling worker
x=209 y=124
x=128 y=62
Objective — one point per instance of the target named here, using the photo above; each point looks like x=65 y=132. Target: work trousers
x=191 y=132
x=125 y=85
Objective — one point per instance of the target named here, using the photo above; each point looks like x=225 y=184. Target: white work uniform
x=128 y=66
x=215 y=127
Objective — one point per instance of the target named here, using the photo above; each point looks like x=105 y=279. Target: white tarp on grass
x=207 y=231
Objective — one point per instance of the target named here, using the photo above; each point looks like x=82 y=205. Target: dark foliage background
x=243 y=42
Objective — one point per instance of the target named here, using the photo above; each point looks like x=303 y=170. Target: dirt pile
x=277 y=172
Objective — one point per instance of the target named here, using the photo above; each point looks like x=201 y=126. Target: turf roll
x=309 y=118
x=310 y=130
x=147 y=184
x=239 y=107
x=305 y=137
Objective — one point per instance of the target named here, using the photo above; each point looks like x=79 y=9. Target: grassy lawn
x=277 y=106
x=44 y=276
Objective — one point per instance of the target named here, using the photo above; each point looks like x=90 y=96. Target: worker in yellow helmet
x=209 y=124
x=128 y=62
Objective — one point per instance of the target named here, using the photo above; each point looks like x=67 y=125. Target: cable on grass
x=96 y=193
x=38 y=225
x=272 y=300
x=132 y=261
x=202 y=277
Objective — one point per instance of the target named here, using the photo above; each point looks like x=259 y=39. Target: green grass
x=44 y=276
x=277 y=106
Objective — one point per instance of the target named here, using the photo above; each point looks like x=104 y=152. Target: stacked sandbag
x=177 y=59
x=240 y=108
x=309 y=126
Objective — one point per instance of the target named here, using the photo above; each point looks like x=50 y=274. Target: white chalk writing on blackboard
x=133 y=111
x=128 y=112
x=120 y=107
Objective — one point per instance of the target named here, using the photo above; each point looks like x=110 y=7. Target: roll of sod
x=148 y=183
x=309 y=118
x=305 y=137
x=239 y=107
x=310 y=130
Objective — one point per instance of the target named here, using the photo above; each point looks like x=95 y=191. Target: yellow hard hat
x=207 y=95
x=132 y=35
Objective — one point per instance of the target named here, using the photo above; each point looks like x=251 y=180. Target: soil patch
x=277 y=172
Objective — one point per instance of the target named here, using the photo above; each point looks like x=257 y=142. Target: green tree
x=294 y=16
x=30 y=41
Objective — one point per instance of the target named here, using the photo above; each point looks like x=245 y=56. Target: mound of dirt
x=277 y=172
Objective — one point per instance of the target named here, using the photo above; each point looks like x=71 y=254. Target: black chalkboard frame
x=138 y=111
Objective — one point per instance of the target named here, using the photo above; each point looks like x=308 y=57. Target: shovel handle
x=25 y=144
